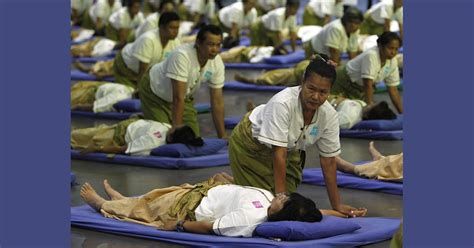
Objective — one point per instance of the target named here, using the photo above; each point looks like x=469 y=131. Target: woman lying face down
x=216 y=206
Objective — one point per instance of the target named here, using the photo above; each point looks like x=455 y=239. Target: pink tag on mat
x=257 y=204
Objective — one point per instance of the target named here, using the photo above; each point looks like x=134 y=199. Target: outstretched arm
x=395 y=97
x=204 y=227
x=368 y=90
x=217 y=108
x=279 y=155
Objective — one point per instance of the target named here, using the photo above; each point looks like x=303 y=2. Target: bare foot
x=373 y=152
x=243 y=79
x=89 y=195
x=111 y=192
x=250 y=105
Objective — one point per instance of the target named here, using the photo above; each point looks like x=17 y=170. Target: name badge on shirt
x=257 y=204
x=208 y=75
x=314 y=131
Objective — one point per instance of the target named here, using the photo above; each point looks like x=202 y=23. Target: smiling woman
x=280 y=132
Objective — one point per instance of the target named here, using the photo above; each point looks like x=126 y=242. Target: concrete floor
x=134 y=180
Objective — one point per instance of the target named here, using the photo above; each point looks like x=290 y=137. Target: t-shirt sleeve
x=334 y=39
x=178 y=66
x=235 y=224
x=143 y=49
x=216 y=79
x=393 y=78
x=329 y=143
x=368 y=68
x=292 y=23
x=275 y=125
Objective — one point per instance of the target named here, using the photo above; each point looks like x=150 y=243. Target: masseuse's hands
x=351 y=212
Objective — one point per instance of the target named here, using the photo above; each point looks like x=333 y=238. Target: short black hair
x=209 y=28
x=380 y=111
x=292 y=2
x=297 y=208
x=129 y=3
x=185 y=135
x=167 y=17
x=320 y=66
x=352 y=14
x=387 y=37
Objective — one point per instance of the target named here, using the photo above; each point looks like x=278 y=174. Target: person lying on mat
x=150 y=48
x=339 y=36
x=98 y=96
x=249 y=54
x=356 y=79
x=281 y=130
x=268 y=29
x=205 y=207
x=384 y=168
x=121 y=24
x=134 y=136
x=166 y=90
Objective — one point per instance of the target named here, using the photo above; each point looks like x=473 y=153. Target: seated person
x=268 y=29
x=122 y=22
x=98 y=96
x=319 y=12
x=204 y=207
x=384 y=168
x=96 y=17
x=134 y=136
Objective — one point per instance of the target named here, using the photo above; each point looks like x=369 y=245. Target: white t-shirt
x=280 y=122
x=334 y=35
x=381 y=11
x=183 y=65
x=367 y=65
x=101 y=9
x=268 y=5
x=142 y=136
x=200 y=7
x=109 y=94
x=323 y=7
x=121 y=19
x=150 y=23
x=398 y=15
x=147 y=49
x=234 y=13
x=275 y=20
x=235 y=210
x=81 y=5
x=350 y=113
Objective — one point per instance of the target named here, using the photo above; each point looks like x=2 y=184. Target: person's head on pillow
x=293 y=207
x=183 y=134
x=379 y=111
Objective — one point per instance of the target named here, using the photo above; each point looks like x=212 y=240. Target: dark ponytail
x=185 y=135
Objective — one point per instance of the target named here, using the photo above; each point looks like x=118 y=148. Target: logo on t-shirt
x=158 y=134
x=314 y=131
x=257 y=204
x=208 y=75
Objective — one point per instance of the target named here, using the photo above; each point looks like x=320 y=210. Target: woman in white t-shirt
x=123 y=22
x=78 y=8
x=378 y=18
x=151 y=21
x=319 y=12
x=133 y=136
x=149 y=49
x=98 y=14
x=357 y=78
x=205 y=207
x=267 y=148
x=236 y=16
x=268 y=29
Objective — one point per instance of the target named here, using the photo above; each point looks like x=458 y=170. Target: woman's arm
x=395 y=97
x=368 y=90
x=177 y=107
x=279 y=168
x=217 y=108
x=293 y=38
x=142 y=68
x=334 y=55
x=204 y=227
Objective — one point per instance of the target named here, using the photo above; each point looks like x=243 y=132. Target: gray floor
x=134 y=180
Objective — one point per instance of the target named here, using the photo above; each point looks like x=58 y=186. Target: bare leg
x=111 y=192
x=344 y=166
x=89 y=195
x=244 y=79
x=376 y=155
x=223 y=177
x=81 y=67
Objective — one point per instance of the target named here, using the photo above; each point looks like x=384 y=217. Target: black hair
x=162 y=4
x=213 y=29
x=185 y=135
x=321 y=66
x=292 y=3
x=167 y=17
x=129 y=3
x=297 y=208
x=387 y=37
x=380 y=111
x=352 y=14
